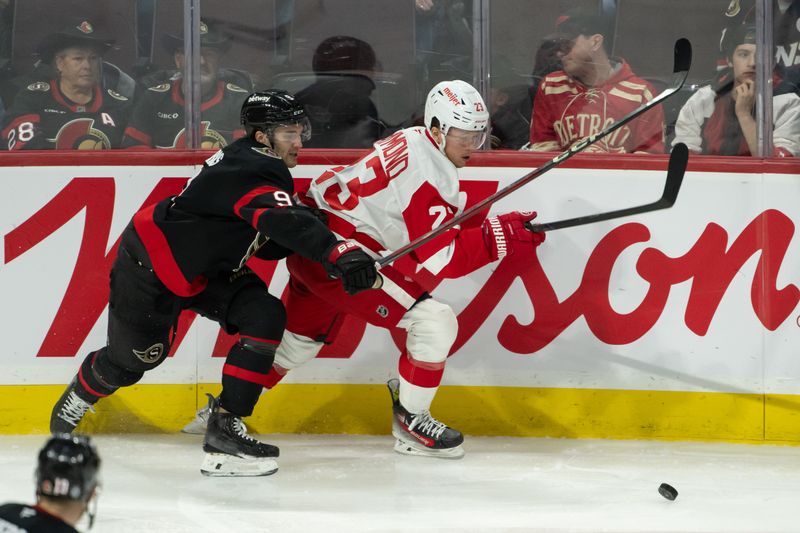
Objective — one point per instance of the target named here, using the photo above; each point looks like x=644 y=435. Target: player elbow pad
x=298 y=229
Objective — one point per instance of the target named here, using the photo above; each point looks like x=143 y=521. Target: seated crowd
x=71 y=101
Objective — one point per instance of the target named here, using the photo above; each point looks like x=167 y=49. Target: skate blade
x=406 y=447
x=195 y=427
x=224 y=465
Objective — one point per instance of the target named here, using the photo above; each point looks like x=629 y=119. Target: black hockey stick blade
x=683 y=55
x=682 y=61
x=677 y=167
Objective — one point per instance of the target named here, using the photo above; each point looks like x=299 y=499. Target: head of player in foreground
x=275 y=119
x=67 y=478
x=457 y=118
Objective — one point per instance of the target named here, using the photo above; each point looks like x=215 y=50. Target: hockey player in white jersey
x=401 y=190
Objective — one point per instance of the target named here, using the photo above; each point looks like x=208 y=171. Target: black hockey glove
x=351 y=264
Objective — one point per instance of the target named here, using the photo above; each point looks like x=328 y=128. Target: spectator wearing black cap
x=339 y=102
x=72 y=110
x=158 y=117
x=722 y=121
x=66 y=485
x=591 y=92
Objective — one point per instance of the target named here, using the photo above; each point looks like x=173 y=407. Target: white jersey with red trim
x=399 y=191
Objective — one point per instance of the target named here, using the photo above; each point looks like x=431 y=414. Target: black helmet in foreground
x=67 y=468
x=272 y=108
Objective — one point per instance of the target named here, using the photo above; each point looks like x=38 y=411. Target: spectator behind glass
x=722 y=121
x=509 y=105
x=512 y=103
x=158 y=117
x=66 y=486
x=592 y=92
x=338 y=103
x=72 y=110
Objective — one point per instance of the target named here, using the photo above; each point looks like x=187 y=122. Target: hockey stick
x=682 y=62
x=677 y=167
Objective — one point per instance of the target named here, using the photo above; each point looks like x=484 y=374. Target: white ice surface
x=357 y=483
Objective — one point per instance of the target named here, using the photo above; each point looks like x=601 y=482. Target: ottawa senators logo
x=209 y=139
x=79 y=134
x=733 y=8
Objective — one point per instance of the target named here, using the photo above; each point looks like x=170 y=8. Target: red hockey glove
x=505 y=233
x=348 y=262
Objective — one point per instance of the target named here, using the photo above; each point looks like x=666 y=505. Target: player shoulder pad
x=164 y=87
x=235 y=88
x=265 y=151
x=117 y=96
x=41 y=86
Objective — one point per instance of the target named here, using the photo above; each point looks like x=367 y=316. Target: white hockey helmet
x=457 y=104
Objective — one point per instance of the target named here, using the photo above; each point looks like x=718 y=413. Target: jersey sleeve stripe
x=137 y=135
x=247 y=198
x=31 y=117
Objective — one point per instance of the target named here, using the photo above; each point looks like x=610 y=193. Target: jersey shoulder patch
x=41 y=86
x=235 y=88
x=117 y=96
x=265 y=151
x=164 y=87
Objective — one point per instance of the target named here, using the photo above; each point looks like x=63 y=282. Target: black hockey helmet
x=68 y=468
x=272 y=108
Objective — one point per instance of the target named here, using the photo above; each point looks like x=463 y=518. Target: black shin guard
x=99 y=376
x=90 y=386
x=244 y=375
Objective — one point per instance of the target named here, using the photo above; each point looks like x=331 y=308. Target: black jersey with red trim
x=20 y=518
x=240 y=204
x=42 y=117
x=157 y=120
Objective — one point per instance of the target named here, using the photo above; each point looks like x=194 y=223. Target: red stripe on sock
x=86 y=386
x=420 y=373
x=245 y=375
x=275 y=375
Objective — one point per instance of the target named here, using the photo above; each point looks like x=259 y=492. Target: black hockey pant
x=143 y=316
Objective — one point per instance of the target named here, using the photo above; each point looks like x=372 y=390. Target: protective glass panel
x=67 y=72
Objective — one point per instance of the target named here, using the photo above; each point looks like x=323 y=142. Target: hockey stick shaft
x=677 y=167
x=683 y=60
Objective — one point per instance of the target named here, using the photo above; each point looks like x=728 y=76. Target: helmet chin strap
x=442 y=144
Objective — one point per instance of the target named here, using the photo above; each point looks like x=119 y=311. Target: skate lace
x=74 y=409
x=241 y=430
x=428 y=425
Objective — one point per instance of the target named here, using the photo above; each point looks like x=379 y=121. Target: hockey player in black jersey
x=66 y=483
x=189 y=252
x=72 y=111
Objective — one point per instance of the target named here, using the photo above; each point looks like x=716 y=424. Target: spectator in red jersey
x=591 y=92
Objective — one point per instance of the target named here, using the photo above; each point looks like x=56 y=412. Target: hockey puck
x=667 y=491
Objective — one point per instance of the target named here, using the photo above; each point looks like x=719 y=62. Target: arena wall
x=677 y=324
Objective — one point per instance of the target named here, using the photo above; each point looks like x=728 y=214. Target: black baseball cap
x=582 y=21
x=737 y=35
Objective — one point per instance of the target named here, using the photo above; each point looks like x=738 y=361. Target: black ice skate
x=230 y=451
x=69 y=410
x=421 y=434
